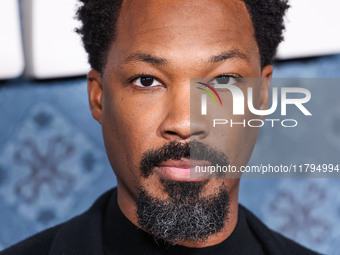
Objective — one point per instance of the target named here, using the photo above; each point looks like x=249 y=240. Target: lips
x=182 y=170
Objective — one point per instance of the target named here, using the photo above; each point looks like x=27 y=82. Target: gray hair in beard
x=184 y=216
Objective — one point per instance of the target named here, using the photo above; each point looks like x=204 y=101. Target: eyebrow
x=226 y=55
x=153 y=60
x=147 y=58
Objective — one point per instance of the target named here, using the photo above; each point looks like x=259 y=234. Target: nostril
x=198 y=133
x=171 y=133
x=174 y=134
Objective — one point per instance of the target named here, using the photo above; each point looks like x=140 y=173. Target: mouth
x=182 y=170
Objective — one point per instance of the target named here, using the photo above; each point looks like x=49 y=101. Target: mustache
x=176 y=150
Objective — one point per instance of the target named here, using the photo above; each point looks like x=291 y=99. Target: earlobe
x=267 y=73
x=95 y=91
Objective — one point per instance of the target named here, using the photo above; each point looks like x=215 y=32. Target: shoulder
x=272 y=241
x=82 y=232
x=37 y=244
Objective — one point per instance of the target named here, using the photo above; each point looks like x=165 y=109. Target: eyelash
x=234 y=76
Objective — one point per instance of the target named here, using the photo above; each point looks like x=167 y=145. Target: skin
x=184 y=34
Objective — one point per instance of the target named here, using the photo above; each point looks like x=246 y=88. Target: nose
x=179 y=123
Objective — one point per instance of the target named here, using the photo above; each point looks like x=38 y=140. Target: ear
x=95 y=91
x=267 y=73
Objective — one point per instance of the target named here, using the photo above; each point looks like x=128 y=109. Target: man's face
x=143 y=102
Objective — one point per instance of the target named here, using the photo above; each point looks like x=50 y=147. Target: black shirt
x=103 y=228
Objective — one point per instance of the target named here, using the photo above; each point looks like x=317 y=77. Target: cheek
x=129 y=126
x=237 y=140
x=246 y=138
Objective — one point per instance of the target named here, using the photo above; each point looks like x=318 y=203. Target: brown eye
x=223 y=79
x=146 y=81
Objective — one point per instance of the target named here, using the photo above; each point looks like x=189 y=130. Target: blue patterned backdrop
x=53 y=164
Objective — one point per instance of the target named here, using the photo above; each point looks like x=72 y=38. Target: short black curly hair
x=99 y=18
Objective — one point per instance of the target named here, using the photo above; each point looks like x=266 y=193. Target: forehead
x=185 y=27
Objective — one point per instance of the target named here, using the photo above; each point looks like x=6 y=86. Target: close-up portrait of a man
x=145 y=56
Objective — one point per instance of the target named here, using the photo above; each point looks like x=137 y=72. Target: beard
x=185 y=215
